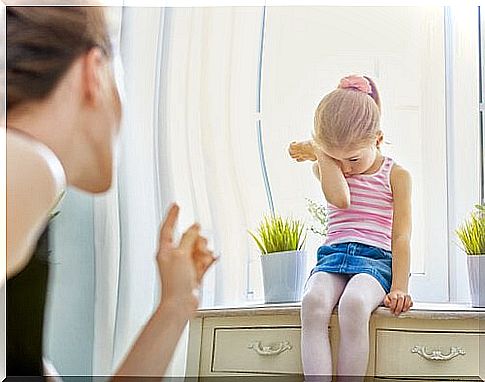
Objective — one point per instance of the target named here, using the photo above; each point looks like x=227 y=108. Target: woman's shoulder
x=35 y=181
x=28 y=160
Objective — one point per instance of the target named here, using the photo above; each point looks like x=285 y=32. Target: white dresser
x=431 y=341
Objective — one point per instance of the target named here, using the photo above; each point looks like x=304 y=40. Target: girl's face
x=354 y=161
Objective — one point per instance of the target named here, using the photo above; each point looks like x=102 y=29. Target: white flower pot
x=283 y=276
x=476 y=275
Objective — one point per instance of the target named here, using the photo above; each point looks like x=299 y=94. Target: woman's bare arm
x=152 y=352
x=181 y=271
x=35 y=181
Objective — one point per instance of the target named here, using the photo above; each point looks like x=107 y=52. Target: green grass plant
x=278 y=234
x=472 y=232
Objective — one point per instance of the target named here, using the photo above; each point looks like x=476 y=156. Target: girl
x=369 y=229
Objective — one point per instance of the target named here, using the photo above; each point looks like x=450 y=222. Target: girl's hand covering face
x=302 y=151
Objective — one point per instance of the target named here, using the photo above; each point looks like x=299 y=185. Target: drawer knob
x=270 y=350
x=437 y=355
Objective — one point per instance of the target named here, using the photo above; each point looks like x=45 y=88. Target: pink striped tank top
x=368 y=220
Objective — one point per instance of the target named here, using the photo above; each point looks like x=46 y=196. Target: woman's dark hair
x=43 y=42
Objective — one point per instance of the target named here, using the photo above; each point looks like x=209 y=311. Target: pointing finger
x=168 y=226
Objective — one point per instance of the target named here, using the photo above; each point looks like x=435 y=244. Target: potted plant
x=472 y=237
x=280 y=241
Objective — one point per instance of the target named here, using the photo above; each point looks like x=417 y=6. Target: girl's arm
x=332 y=180
x=398 y=299
x=335 y=187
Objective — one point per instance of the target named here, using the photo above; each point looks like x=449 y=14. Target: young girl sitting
x=369 y=229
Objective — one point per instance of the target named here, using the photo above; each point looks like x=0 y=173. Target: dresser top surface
x=419 y=310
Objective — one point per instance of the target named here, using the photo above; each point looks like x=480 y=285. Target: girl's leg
x=361 y=296
x=321 y=295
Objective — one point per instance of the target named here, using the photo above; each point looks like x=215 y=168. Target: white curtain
x=208 y=121
x=127 y=218
x=209 y=160
x=139 y=206
x=106 y=223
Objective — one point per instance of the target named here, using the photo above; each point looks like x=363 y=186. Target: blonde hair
x=348 y=117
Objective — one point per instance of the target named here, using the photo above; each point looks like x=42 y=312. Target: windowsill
x=418 y=311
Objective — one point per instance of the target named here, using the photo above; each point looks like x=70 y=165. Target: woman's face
x=101 y=126
x=110 y=120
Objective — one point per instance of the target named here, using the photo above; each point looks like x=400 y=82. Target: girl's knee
x=315 y=306
x=355 y=305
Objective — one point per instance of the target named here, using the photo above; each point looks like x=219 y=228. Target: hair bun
x=355 y=82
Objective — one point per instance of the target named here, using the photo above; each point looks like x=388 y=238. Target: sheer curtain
x=208 y=140
x=127 y=218
x=185 y=134
x=106 y=222
x=187 y=126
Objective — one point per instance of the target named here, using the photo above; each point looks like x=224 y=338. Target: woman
x=63 y=114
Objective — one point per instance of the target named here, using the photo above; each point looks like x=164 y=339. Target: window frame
x=463 y=148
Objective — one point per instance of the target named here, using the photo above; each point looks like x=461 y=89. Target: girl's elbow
x=343 y=203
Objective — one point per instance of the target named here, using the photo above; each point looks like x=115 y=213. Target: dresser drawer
x=257 y=350
x=426 y=354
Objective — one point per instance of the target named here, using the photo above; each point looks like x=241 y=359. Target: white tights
x=358 y=296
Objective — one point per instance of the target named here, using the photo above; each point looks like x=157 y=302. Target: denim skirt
x=353 y=258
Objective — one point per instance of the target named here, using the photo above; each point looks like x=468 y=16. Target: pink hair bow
x=355 y=82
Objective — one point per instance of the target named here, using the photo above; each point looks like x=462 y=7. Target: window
x=209 y=113
x=308 y=50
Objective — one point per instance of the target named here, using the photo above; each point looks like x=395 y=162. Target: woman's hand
x=182 y=267
x=181 y=270
x=203 y=258
x=398 y=301
x=302 y=151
